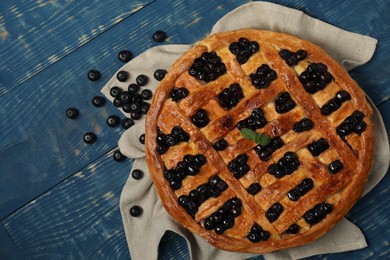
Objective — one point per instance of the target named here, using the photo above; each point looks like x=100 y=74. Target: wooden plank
x=78 y=218
x=113 y=248
x=41 y=147
x=36 y=34
x=384 y=109
x=8 y=249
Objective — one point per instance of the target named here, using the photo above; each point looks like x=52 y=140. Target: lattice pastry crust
x=239 y=195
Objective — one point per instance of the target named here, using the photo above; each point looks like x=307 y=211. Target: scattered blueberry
x=118 y=156
x=127 y=123
x=135 y=107
x=126 y=107
x=159 y=74
x=146 y=94
x=141 y=80
x=90 y=138
x=137 y=174
x=98 y=101
x=117 y=102
x=115 y=92
x=72 y=113
x=122 y=76
x=159 y=36
x=208 y=67
x=142 y=139
x=113 y=121
x=94 y=75
x=135 y=211
x=133 y=88
x=124 y=56
x=125 y=97
x=135 y=115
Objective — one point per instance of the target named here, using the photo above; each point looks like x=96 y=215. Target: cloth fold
x=349 y=49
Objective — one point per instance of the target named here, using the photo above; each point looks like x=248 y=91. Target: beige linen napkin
x=145 y=232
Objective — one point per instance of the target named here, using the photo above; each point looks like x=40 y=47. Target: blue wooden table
x=59 y=197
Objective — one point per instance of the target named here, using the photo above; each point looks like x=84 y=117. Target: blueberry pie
x=248 y=196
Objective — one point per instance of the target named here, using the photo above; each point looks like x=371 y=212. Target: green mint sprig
x=261 y=139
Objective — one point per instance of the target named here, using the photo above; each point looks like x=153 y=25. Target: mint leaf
x=261 y=139
x=248 y=134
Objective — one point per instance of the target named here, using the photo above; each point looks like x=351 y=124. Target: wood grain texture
x=48 y=210
x=36 y=34
x=8 y=250
x=79 y=218
x=40 y=146
x=172 y=247
x=384 y=109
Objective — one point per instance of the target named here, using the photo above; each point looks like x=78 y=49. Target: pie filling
x=263 y=77
x=255 y=121
x=243 y=49
x=208 y=67
x=265 y=151
x=213 y=188
x=223 y=218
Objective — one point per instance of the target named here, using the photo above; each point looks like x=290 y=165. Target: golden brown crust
x=341 y=190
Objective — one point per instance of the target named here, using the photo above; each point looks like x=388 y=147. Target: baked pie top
x=240 y=195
